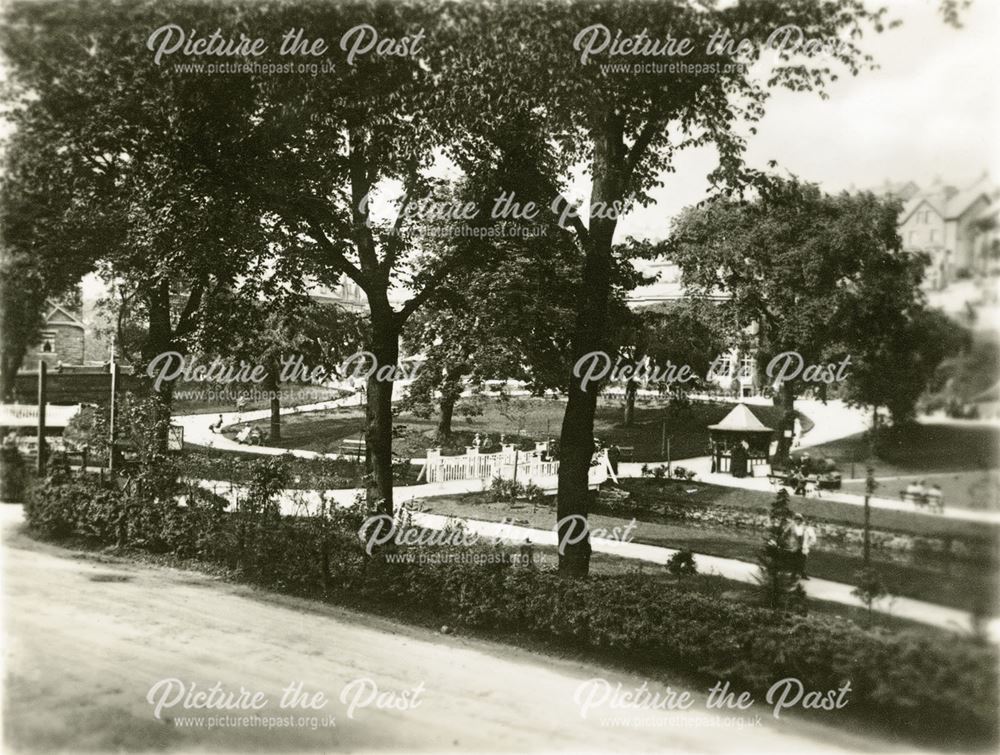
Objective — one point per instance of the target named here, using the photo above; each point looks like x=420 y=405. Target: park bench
x=921 y=501
x=627 y=453
x=779 y=479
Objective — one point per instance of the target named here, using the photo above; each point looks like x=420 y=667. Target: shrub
x=533 y=493
x=505 y=491
x=683 y=473
x=870 y=588
x=682 y=564
x=13 y=474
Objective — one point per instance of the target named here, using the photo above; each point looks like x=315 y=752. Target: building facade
x=61 y=340
x=953 y=227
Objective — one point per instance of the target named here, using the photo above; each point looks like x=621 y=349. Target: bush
x=505 y=491
x=13 y=474
x=682 y=564
x=320 y=473
x=913 y=681
x=683 y=473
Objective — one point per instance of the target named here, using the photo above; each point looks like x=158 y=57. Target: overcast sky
x=930 y=110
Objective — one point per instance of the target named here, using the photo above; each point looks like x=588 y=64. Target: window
x=911 y=237
x=746 y=366
x=723 y=366
x=933 y=235
x=48 y=345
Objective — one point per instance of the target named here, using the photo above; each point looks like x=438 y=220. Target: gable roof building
x=945 y=223
x=61 y=339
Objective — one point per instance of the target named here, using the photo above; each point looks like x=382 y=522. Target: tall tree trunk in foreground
x=576 y=443
x=378 y=411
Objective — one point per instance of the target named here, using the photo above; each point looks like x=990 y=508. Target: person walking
x=800 y=482
x=803 y=539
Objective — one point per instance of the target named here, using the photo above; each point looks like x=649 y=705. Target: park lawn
x=978 y=490
x=950 y=582
x=920 y=449
x=526 y=420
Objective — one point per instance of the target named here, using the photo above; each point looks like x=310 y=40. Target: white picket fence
x=527 y=467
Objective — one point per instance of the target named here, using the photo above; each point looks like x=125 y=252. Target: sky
x=930 y=110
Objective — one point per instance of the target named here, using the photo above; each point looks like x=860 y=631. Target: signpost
x=112 y=461
x=42 y=368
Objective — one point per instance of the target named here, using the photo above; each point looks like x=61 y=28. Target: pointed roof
x=741 y=419
x=71 y=319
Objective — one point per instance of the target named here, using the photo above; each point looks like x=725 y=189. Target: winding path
x=833 y=421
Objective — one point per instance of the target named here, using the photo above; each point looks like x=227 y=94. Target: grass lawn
x=921 y=449
x=949 y=582
x=971 y=490
x=527 y=420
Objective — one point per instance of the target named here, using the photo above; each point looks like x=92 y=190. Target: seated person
x=915 y=491
x=217 y=425
x=243 y=436
x=935 y=497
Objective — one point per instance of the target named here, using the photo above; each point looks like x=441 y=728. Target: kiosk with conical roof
x=739 y=442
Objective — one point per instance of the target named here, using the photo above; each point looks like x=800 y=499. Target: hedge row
x=915 y=682
x=318 y=473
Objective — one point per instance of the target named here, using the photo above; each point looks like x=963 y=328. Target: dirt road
x=89 y=636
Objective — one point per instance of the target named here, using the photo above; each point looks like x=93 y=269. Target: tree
x=132 y=142
x=669 y=337
x=322 y=151
x=793 y=264
x=476 y=329
x=623 y=129
x=893 y=364
x=46 y=246
x=278 y=331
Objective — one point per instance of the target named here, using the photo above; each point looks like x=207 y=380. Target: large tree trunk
x=576 y=443
x=158 y=341
x=631 y=388
x=271 y=386
x=378 y=412
x=446 y=412
x=785 y=398
x=9 y=365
